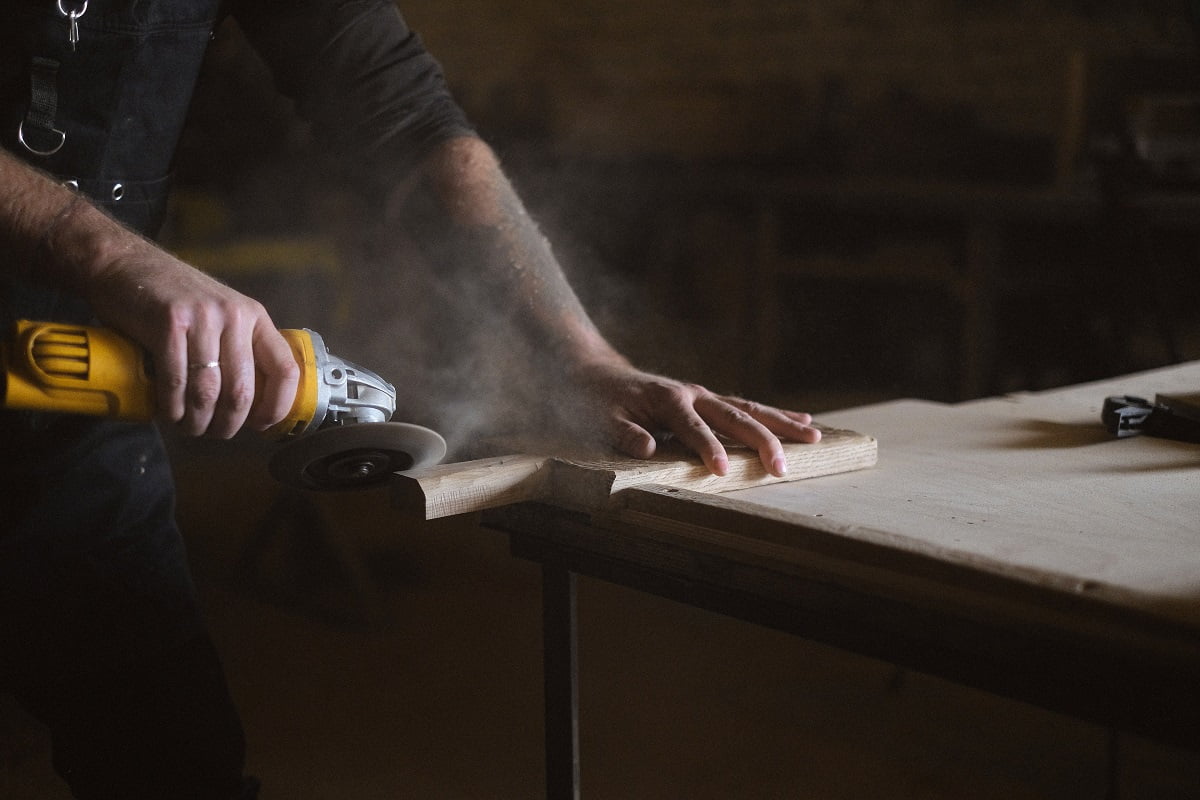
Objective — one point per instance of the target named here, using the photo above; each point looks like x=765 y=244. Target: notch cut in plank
x=470 y=486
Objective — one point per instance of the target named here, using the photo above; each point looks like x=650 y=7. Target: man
x=99 y=633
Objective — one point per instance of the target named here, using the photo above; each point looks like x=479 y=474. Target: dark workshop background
x=792 y=200
x=815 y=203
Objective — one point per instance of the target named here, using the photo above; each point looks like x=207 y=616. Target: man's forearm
x=48 y=232
x=471 y=228
x=467 y=215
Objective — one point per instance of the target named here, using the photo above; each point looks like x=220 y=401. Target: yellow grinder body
x=82 y=369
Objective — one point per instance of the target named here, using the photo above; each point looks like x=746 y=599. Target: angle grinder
x=336 y=435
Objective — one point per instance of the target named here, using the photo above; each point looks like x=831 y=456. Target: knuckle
x=656 y=389
x=241 y=396
x=726 y=413
x=236 y=311
x=244 y=312
x=752 y=408
x=289 y=369
x=204 y=396
x=178 y=318
x=669 y=392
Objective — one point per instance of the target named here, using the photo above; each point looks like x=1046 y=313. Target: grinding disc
x=355 y=456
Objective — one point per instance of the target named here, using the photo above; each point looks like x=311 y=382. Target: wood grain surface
x=1028 y=486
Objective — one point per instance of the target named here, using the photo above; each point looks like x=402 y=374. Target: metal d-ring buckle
x=76 y=14
x=62 y=137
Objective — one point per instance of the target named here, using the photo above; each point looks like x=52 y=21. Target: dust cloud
x=459 y=357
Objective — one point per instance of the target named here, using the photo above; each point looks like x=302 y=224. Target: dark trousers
x=100 y=633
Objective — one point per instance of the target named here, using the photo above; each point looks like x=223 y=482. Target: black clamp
x=1168 y=417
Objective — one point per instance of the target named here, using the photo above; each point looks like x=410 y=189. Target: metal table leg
x=560 y=662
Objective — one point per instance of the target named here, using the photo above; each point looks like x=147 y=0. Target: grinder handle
x=84 y=369
x=76 y=369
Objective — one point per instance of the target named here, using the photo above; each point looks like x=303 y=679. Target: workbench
x=1009 y=544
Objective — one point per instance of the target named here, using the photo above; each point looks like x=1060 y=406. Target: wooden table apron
x=1072 y=654
x=1008 y=544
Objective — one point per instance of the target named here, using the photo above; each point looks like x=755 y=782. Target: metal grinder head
x=332 y=390
x=337 y=435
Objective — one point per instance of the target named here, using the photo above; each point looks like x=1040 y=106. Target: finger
x=237 y=383
x=797 y=416
x=794 y=426
x=634 y=440
x=741 y=426
x=691 y=429
x=203 y=379
x=200 y=397
x=171 y=376
x=279 y=377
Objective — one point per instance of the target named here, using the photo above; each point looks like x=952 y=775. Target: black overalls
x=100 y=636
x=99 y=633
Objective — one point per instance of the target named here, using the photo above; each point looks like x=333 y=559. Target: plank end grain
x=445 y=490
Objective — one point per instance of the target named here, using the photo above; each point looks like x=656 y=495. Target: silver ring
x=205 y=365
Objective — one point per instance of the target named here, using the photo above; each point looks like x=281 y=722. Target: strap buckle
x=38 y=151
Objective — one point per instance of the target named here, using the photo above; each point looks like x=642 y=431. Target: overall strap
x=37 y=132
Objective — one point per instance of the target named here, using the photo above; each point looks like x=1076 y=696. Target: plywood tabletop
x=1028 y=485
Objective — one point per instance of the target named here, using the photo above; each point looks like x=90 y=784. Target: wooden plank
x=467 y=487
x=589 y=484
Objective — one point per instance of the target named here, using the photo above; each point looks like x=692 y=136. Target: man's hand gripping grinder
x=336 y=436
